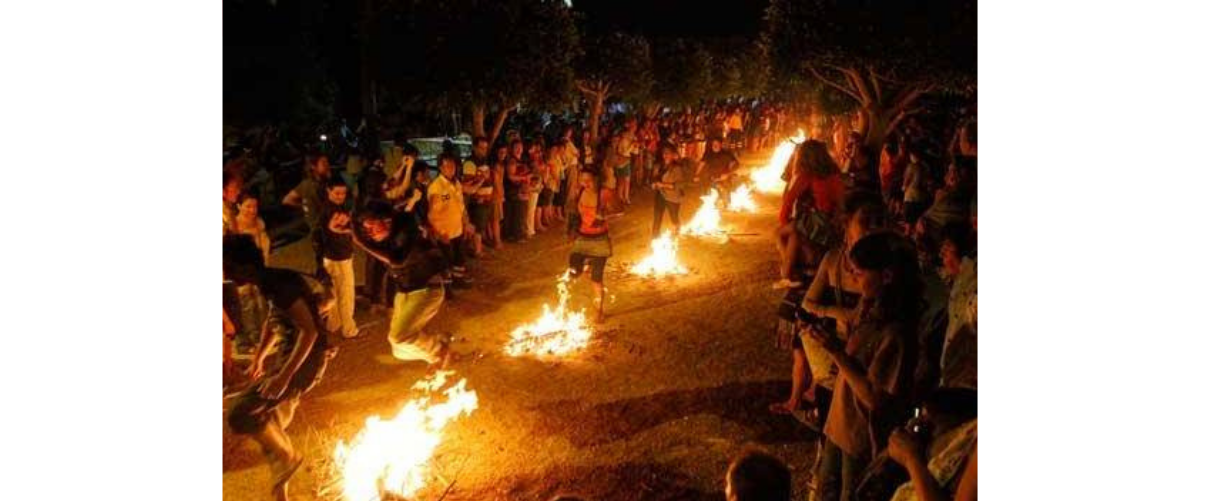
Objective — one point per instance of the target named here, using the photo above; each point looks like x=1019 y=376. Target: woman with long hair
x=808 y=215
x=591 y=239
x=876 y=365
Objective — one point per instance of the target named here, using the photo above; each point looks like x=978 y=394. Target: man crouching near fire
x=265 y=410
x=416 y=266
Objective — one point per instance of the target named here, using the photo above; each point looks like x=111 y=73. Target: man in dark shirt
x=720 y=167
x=265 y=411
x=335 y=223
x=415 y=267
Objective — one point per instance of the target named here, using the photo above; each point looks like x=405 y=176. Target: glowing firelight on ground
x=706 y=221
x=389 y=458
x=663 y=261
x=557 y=332
x=768 y=178
x=741 y=200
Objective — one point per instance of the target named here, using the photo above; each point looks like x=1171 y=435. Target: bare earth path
x=669 y=389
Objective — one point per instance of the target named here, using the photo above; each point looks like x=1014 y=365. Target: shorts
x=412 y=311
x=545 y=199
x=597 y=266
x=624 y=170
x=251 y=411
x=480 y=213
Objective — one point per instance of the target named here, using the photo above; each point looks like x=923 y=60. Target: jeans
x=343 y=283
x=660 y=205
x=836 y=474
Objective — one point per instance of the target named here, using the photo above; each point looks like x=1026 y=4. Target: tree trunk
x=478 y=115
x=499 y=121
x=596 y=109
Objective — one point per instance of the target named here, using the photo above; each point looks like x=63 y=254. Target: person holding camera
x=833 y=295
x=875 y=365
x=939 y=449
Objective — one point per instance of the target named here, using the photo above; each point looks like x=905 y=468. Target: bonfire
x=663 y=261
x=768 y=178
x=741 y=200
x=706 y=221
x=557 y=332
x=390 y=458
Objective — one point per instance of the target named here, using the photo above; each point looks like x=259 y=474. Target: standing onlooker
x=231 y=187
x=540 y=202
x=248 y=222
x=556 y=180
x=478 y=182
x=517 y=178
x=446 y=214
x=497 y=177
x=626 y=147
x=310 y=195
x=335 y=222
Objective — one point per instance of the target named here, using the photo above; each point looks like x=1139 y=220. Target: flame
x=706 y=221
x=390 y=457
x=741 y=200
x=557 y=332
x=768 y=178
x=663 y=261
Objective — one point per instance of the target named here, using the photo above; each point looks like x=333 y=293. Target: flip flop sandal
x=810 y=418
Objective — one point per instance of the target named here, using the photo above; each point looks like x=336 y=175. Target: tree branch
x=874 y=82
x=833 y=84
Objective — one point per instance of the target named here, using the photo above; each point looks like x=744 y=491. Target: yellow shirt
x=445 y=207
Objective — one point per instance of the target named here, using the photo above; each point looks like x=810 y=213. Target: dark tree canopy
x=880 y=55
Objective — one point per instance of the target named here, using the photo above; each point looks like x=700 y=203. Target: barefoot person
x=265 y=411
x=415 y=265
x=591 y=241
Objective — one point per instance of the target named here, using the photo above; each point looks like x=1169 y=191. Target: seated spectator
x=875 y=366
x=959 y=354
x=813 y=198
x=939 y=449
x=755 y=475
x=833 y=294
x=953 y=200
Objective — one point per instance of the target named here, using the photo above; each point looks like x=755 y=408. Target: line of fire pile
x=391 y=459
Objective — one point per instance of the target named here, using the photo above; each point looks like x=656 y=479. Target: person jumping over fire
x=590 y=237
x=416 y=266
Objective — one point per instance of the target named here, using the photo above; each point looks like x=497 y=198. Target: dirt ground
x=668 y=390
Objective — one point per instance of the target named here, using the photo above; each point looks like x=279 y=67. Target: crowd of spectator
x=876 y=246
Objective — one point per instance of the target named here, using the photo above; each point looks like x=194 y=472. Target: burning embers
x=557 y=332
x=389 y=458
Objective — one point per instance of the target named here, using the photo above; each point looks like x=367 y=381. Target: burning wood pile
x=663 y=261
x=389 y=458
x=557 y=332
